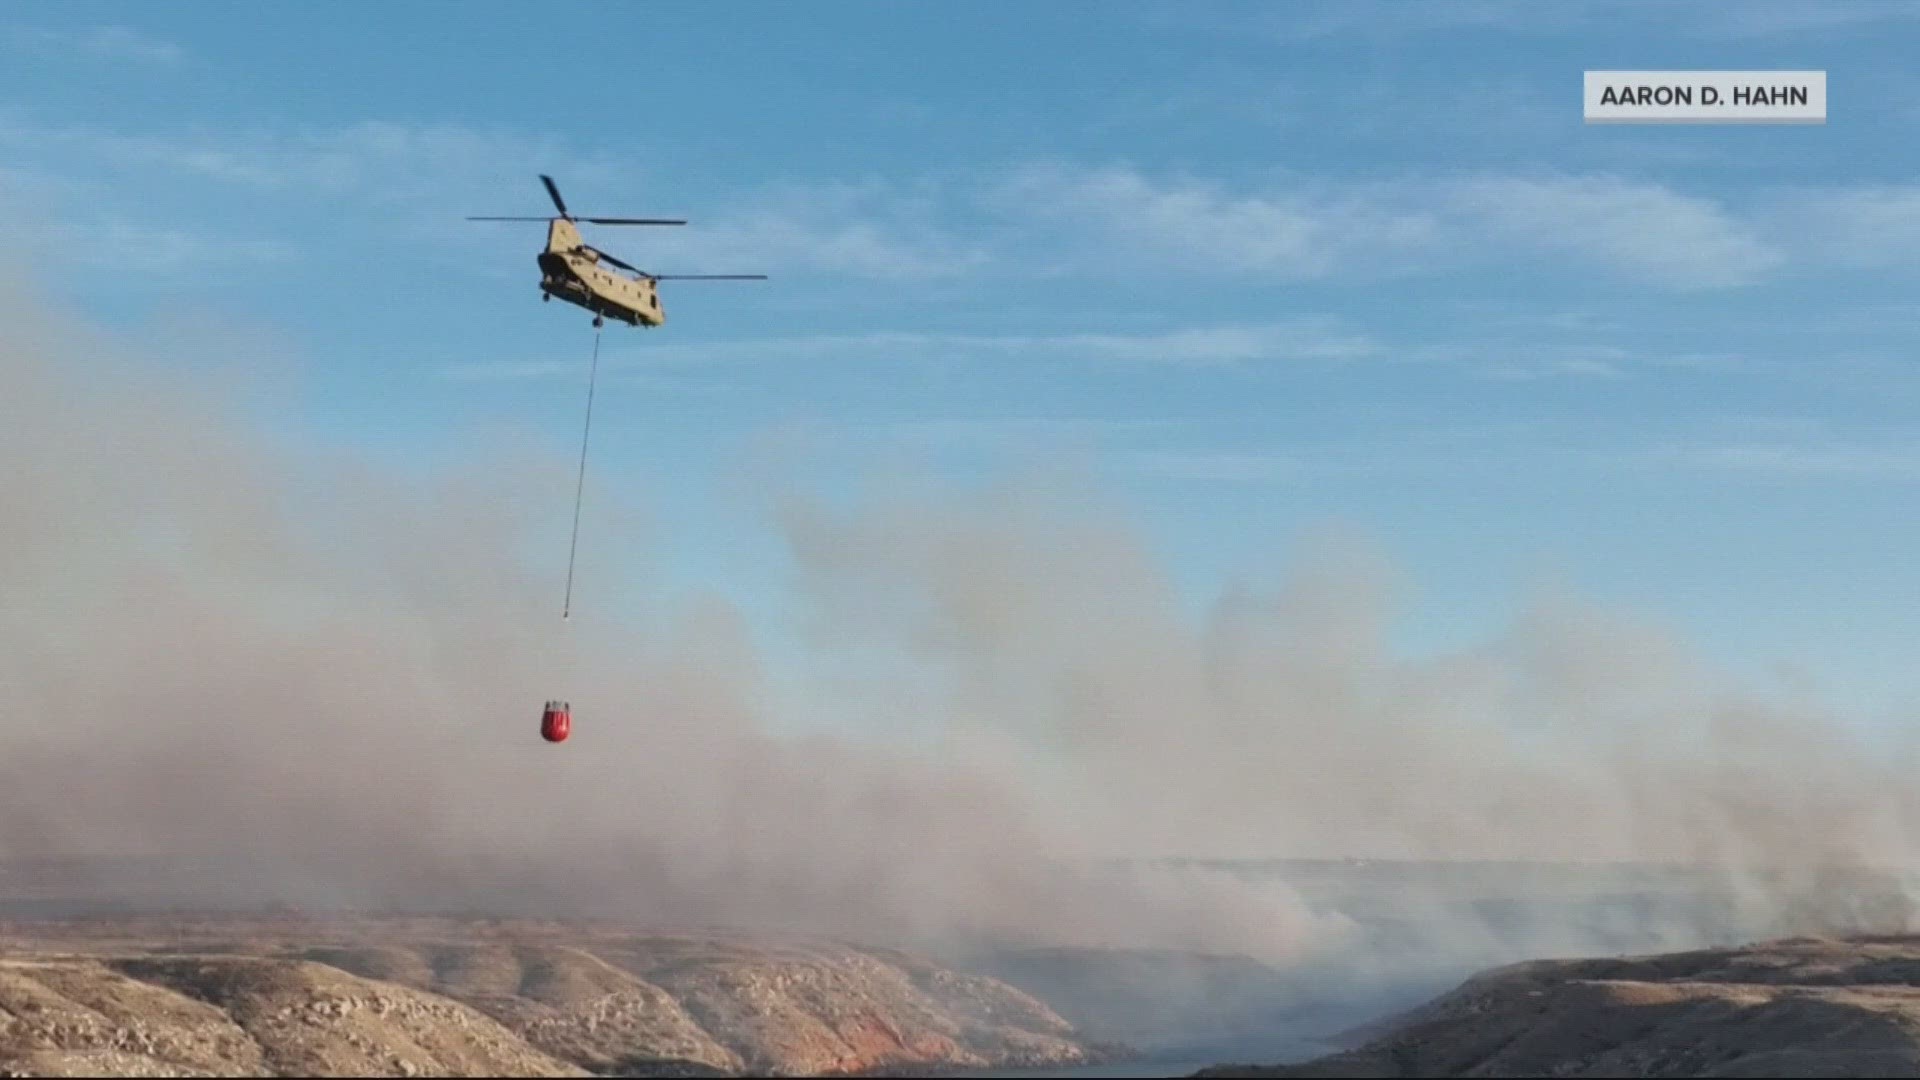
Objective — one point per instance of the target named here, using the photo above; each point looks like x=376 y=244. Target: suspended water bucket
x=556 y=721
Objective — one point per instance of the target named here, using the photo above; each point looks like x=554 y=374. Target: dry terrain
x=1800 y=1007
x=433 y=997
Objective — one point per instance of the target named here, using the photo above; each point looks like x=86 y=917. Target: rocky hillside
x=1803 y=1007
x=438 y=998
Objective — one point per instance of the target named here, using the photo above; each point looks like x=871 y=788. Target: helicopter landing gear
x=598 y=322
x=546 y=297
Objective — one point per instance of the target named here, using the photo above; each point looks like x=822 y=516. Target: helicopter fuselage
x=572 y=271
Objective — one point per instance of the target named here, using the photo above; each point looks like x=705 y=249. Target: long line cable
x=580 y=484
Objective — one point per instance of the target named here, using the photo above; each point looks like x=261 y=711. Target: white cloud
x=443 y=171
x=1870 y=226
x=102 y=43
x=1217 y=346
x=94 y=240
x=1227 y=345
x=77 y=226
x=1540 y=349
x=384 y=159
x=508 y=370
x=1122 y=221
x=1090 y=223
x=1206 y=466
x=1018 y=428
x=1795 y=19
x=123 y=245
x=1712 y=363
x=1470 y=339
x=1166 y=449
x=1314 y=23
x=1551 y=367
x=871 y=230
x=1134 y=225
x=1636 y=228
x=1745 y=21
x=1796 y=460
x=1197 y=346
x=1589 y=433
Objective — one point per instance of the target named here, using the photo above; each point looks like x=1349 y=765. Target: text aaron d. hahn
x=1706 y=95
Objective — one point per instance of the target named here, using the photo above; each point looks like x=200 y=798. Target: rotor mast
x=560 y=204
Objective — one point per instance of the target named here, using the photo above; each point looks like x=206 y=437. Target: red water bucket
x=556 y=721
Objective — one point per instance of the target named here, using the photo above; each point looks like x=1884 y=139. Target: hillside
x=1801 y=1007
x=290 y=997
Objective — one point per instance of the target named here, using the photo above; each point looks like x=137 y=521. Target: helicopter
x=590 y=278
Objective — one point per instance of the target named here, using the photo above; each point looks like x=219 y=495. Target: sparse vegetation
x=444 y=998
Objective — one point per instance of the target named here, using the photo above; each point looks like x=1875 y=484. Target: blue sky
x=1260 y=266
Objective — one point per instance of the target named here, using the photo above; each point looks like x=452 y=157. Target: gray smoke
x=289 y=678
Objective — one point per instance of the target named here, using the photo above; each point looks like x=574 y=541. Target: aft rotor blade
x=509 y=219
x=555 y=192
x=606 y=258
x=632 y=221
x=708 y=277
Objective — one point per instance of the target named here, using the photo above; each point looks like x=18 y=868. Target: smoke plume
x=271 y=676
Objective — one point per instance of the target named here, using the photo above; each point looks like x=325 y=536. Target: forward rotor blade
x=708 y=277
x=509 y=219
x=632 y=221
x=555 y=192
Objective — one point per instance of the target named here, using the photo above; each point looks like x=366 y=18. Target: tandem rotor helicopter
x=580 y=274
x=588 y=277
